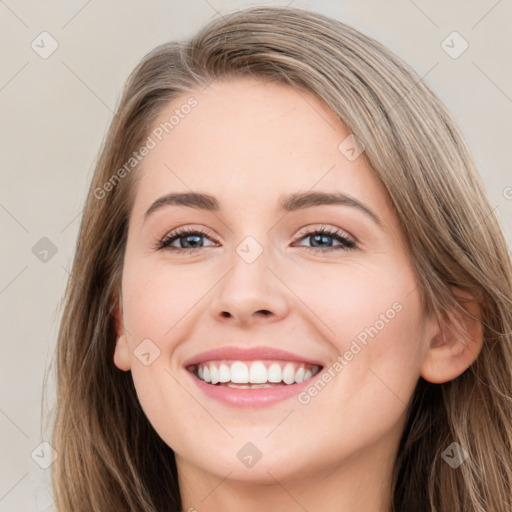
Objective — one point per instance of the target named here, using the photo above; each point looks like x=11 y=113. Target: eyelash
x=346 y=243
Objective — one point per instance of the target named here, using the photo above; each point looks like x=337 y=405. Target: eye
x=189 y=240
x=321 y=243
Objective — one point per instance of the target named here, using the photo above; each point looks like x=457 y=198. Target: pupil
x=194 y=243
x=321 y=238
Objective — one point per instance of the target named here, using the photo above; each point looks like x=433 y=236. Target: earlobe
x=122 y=349
x=455 y=346
x=122 y=354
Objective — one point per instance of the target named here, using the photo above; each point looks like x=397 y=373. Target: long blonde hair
x=110 y=457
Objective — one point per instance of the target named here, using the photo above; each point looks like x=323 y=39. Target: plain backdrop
x=55 y=110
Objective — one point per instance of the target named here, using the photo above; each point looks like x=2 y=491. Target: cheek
x=373 y=318
x=156 y=301
x=157 y=298
x=160 y=305
x=358 y=301
x=367 y=388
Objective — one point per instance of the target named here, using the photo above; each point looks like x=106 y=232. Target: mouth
x=256 y=374
x=251 y=377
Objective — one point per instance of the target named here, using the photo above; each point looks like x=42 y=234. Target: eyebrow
x=289 y=203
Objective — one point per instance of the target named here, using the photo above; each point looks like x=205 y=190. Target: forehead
x=248 y=143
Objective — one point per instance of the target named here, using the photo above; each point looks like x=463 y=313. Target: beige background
x=55 y=112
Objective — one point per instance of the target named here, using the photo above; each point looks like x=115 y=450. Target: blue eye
x=191 y=237
x=322 y=236
x=190 y=240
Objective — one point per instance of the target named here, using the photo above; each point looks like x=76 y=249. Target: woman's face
x=260 y=276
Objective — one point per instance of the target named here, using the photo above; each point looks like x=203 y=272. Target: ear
x=122 y=349
x=454 y=347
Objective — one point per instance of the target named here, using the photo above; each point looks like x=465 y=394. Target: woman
x=214 y=355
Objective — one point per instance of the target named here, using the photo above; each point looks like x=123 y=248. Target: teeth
x=224 y=373
x=274 y=373
x=258 y=373
x=299 y=375
x=289 y=374
x=239 y=373
x=255 y=374
x=214 y=374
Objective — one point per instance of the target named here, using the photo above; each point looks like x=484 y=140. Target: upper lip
x=248 y=354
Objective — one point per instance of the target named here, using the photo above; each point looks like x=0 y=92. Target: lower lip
x=259 y=397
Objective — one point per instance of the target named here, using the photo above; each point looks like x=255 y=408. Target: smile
x=254 y=374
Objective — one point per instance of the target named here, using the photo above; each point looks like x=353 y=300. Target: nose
x=250 y=293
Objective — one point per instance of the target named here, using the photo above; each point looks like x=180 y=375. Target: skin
x=248 y=143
